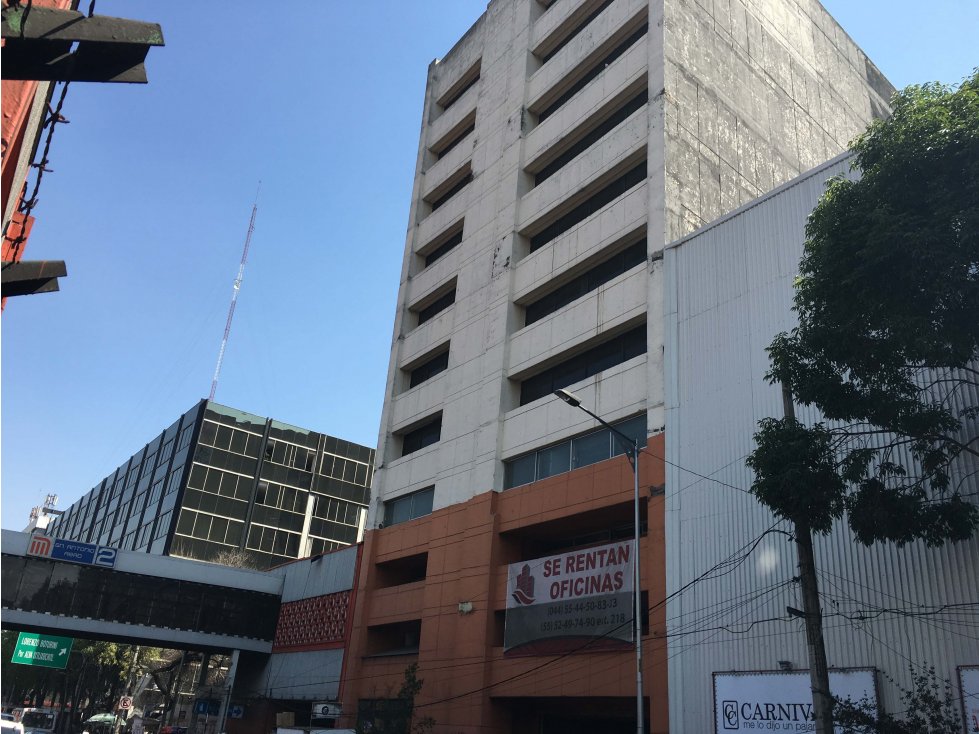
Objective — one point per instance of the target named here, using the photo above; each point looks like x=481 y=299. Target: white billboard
x=577 y=600
x=780 y=701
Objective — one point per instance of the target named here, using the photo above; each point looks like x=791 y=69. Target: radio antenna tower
x=234 y=295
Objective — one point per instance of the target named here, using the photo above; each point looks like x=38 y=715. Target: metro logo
x=40 y=546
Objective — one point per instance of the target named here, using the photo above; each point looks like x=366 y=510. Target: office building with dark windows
x=563 y=145
x=222 y=484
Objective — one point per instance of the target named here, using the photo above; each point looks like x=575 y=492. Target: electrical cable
x=732 y=560
x=696 y=474
x=729 y=559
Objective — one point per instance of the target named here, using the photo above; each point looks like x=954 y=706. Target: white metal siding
x=729 y=291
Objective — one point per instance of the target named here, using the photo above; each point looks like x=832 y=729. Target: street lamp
x=631 y=447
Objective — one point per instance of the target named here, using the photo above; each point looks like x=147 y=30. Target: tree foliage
x=927 y=707
x=91 y=682
x=887 y=344
x=396 y=713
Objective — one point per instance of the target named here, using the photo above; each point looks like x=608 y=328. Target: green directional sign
x=48 y=651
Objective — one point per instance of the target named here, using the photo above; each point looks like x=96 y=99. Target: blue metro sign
x=59 y=549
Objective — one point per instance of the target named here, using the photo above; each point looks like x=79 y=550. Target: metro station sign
x=46 y=651
x=59 y=549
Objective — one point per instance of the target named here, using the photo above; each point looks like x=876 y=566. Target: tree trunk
x=822 y=699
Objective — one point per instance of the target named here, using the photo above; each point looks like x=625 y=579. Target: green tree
x=91 y=682
x=396 y=714
x=927 y=707
x=887 y=347
x=888 y=338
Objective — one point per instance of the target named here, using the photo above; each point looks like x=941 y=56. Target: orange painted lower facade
x=432 y=591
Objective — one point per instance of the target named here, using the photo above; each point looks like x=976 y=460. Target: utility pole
x=822 y=700
x=129 y=688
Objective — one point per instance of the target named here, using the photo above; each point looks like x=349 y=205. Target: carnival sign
x=580 y=600
x=777 y=701
x=969 y=686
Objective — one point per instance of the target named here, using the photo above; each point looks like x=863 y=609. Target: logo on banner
x=729 y=710
x=524 y=593
x=40 y=546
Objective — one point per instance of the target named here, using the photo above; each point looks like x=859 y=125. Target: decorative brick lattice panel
x=318 y=620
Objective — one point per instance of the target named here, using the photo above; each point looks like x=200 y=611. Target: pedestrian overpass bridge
x=139 y=598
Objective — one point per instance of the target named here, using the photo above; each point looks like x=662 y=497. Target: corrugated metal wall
x=729 y=291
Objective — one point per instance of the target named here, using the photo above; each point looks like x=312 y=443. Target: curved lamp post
x=631 y=447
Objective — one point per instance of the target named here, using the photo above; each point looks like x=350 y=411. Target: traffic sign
x=236 y=711
x=207 y=706
x=326 y=710
x=46 y=651
x=126 y=703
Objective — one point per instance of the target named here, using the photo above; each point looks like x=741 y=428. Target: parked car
x=39 y=720
x=10 y=725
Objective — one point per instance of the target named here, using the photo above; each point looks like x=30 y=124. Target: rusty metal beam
x=27 y=277
x=51 y=24
x=38 y=45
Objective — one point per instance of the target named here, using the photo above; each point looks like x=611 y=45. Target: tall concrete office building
x=219 y=481
x=563 y=144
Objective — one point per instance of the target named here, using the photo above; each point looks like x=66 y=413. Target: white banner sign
x=780 y=701
x=563 y=600
x=969 y=686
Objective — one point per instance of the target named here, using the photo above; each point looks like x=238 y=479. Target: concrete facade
x=555 y=138
x=743 y=96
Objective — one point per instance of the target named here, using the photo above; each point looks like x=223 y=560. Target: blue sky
x=149 y=200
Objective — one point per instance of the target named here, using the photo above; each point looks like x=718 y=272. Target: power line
x=696 y=474
x=733 y=560
x=728 y=560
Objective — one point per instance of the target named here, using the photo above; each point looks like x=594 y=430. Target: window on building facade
x=186 y=435
x=428 y=369
x=463 y=85
x=117 y=596
x=290 y=455
x=409 y=506
x=443 y=147
x=441 y=199
x=595 y=277
x=437 y=306
x=593 y=71
x=425 y=435
x=606 y=195
x=230 y=439
x=575 y=453
x=573 y=32
x=448 y=242
x=166 y=452
x=582 y=366
x=398 y=638
x=346 y=470
x=589 y=138
x=273 y=540
x=404 y=570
